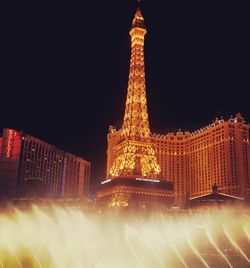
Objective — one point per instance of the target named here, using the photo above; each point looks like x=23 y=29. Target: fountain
x=70 y=237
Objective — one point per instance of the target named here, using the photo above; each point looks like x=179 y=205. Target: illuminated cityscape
x=193 y=161
x=179 y=199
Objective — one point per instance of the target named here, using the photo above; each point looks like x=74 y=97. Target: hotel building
x=194 y=161
x=26 y=161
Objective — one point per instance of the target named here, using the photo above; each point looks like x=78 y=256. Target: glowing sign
x=142 y=179
x=10 y=138
x=103 y=182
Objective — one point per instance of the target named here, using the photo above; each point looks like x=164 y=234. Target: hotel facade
x=30 y=166
x=194 y=161
x=215 y=155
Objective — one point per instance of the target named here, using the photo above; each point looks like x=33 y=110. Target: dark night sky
x=64 y=68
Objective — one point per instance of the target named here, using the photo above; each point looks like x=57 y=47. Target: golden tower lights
x=134 y=154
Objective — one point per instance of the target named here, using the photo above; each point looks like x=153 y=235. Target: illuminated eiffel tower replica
x=135 y=156
x=133 y=173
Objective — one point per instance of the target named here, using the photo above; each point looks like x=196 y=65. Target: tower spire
x=138 y=20
x=134 y=155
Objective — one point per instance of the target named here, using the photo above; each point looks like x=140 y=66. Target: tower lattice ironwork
x=134 y=154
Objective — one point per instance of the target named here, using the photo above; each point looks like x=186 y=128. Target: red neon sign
x=9 y=141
